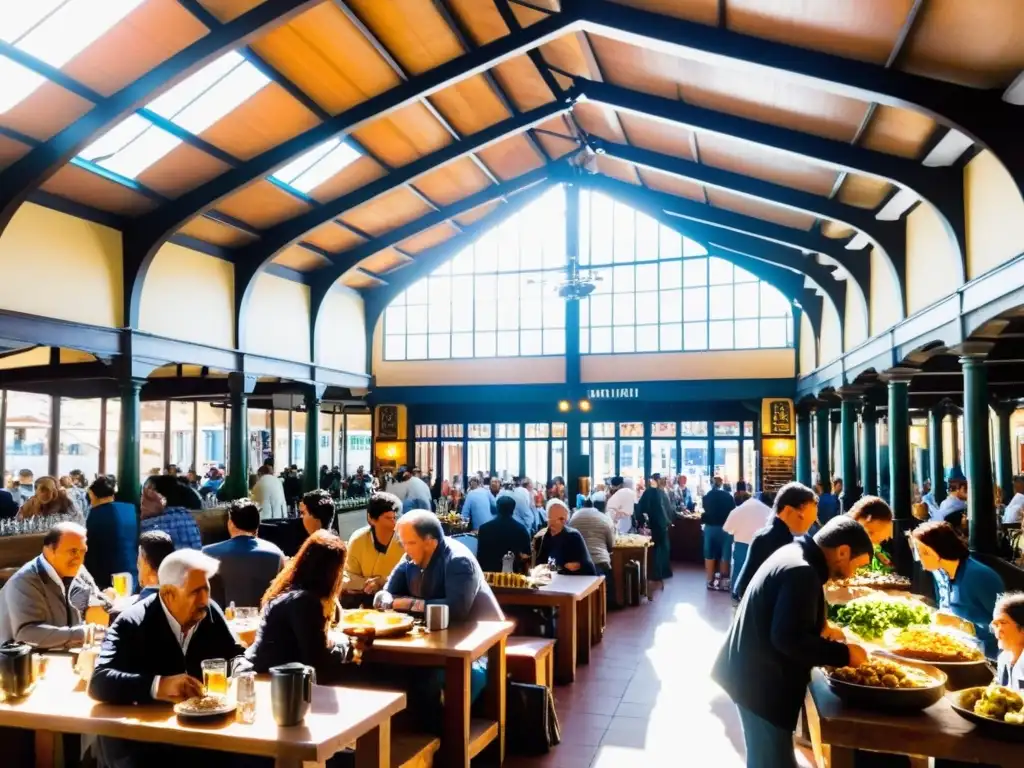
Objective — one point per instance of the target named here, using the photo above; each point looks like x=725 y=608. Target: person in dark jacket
x=780 y=633
x=795 y=511
x=113 y=529
x=248 y=564
x=718 y=503
x=564 y=544
x=501 y=535
x=656 y=510
x=297 y=608
x=177 y=491
x=8 y=506
x=155 y=650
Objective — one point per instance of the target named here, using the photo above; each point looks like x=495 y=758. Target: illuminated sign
x=614 y=393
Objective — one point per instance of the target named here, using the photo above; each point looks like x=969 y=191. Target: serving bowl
x=878 y=698
x=996 y=729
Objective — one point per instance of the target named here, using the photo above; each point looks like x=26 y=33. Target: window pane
x=746 y=334
x=647 y=338
x=531 y=343
x=773 y=332
x=647 y=308
x=508 y=343
x=746 y=300
x=623 y=279
x=671 y=274
x=486 y=344
x=601 y=310
x=416 y=347
x=394 y=347
x=693 y=429
x=646 y=237
x=695 y=272
x=647 y=277
x=671 y=243
x=720 y=334
x=671 y=337
x=773 y=303
x=625 y=233
x=601 y=234
x=394 y=320
x=624 y=339
x=742 y=276
x=600 y=340
x=695 y=336
x=727 y=429
x=462 y=345
x=554 y=342
x=720 y=302
x=695 y=304
x=624 y=310
x=671 y=306
x=440 y=346
x=719 y=271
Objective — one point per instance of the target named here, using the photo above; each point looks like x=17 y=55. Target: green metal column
x=954 y=435
x=803 y=446
x=835 y=446
x=128 y=483
x=823 y=434
x=236 y=484
x=935 y=466
x=1004 y=450
x=848 y=427
x=311 y=474
x=977 y=456
x=899 y=448
x=869 y=449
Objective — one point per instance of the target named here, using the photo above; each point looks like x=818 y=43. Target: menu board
x=776 y=471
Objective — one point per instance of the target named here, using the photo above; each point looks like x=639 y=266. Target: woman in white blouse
x=1008 y=626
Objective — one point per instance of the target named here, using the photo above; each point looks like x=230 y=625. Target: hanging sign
x=614 y=393
x=777 y=418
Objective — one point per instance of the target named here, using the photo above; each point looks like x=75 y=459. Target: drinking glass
x=215 y=677
x=122 y=584
x=245 y=697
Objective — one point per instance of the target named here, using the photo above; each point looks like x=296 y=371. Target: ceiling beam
x=27 y=174
x=980 y=114
x=144 y=238
x=889 y=236
x=710 y=235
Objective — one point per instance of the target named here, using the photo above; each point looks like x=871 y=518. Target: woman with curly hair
x=298 y=608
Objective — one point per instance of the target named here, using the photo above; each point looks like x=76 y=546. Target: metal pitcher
x=291 y=692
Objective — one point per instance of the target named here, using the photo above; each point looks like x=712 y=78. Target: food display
x=878 y=673
x=632 y=540
x=997 y=702
x=509 y=580
x=875 y=580
x=871 y=616
x=932 y=644
x=384 y=623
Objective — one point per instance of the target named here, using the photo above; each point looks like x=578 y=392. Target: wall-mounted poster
x=387 y=426
x=777 y=418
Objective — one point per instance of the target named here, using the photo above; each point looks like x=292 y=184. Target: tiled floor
x=646 y=699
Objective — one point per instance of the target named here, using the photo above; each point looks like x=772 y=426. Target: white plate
x=223 y=709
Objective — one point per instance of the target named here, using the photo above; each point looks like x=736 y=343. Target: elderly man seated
x=155 y=650
x=437 y=570
x=45 y=602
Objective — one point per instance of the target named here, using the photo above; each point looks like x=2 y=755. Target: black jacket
x=775 y=638
x=567 y=547
x=717 y=506
x=293 y=628
x=496 y=537
x=141 y=645
x=765 y=543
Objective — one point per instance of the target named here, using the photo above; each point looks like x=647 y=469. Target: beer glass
x=215 y=677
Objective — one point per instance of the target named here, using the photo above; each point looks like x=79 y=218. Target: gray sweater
x=599 y=533
x=33 y=608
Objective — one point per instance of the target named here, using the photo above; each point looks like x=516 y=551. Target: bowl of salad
x=871 y=616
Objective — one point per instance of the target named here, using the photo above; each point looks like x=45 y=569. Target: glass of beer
x=215 y=677
x=122 y=584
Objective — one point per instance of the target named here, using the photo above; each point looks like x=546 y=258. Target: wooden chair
x=531 y=660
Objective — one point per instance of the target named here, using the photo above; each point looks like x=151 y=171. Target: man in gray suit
x=44 y=603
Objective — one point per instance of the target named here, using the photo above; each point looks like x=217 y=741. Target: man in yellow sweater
x=374 y=551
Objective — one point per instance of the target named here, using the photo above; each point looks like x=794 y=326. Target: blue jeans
x=768 y=746
x=717 y=544
x=739 y=557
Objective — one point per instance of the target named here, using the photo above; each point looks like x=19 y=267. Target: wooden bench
x=531 y=660
x=413 y=750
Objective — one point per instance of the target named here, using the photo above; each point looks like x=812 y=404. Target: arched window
x=659 y=292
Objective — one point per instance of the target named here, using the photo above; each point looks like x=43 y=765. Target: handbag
x=531 y=720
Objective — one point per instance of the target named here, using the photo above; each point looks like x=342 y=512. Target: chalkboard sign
x=387 y=425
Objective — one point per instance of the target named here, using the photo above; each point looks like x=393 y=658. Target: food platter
x=964 y=704
x=202 y=707
x=875 y=580
x=871 y=616
x=886 y=685
x=624 y=540
x=384 y=623
x=933 y=645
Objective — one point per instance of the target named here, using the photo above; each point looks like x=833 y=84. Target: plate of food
x=384 y=623
x=199 y=707
x=996 y=710
x=882 y=684
x=875 y=580
x=934 y=645
x=870 y=617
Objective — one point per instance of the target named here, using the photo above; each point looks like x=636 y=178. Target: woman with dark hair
x=965 y=587
x=1008 y=625
x=298 y=608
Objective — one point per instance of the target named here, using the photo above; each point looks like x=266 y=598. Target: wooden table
x=338 y=717
x=622 y=555
x=581 y=603
x=838 y=731
x=454 y=650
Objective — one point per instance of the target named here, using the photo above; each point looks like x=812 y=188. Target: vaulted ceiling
x=345 y=139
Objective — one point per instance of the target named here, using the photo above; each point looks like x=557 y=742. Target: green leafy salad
x=871 y=616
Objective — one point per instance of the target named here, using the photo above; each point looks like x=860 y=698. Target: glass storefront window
x=748 y=429
x=425 y=431
x=281 y=440
x=631 y=461
x=357 y=442
x=451 y=456
x=479 y=431
x=326 y=451
x=663 y=429
x=504 y=431
x=602 y=460
x=631 y=429
x=212 y=437
x=479 y=456
x=113 y=435
x=557 y=459
x=694 y=429
x=727 y=429
x=602 y=429
x=299 y=439
x=259 y=437
x=750 y=465
x=506 y=458
x=182 y=430
x=426 y=456
x=151 y=437
x=663 y=457
x=79 y=436
x=537 y=430
x=558 y=429
x=536 y=458
x=695 y=464
x=727 y=461
x=451 y=430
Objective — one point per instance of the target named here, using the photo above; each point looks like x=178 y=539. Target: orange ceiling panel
x=453 y=181
x=404 y=136
x=181 y=169
x=748 y=206
x=299 y=258
x=470 y=105
x=483 y=20
x=980 y=43
x=324 y=54
x=45 y=112
x=673 y=185
x=88 y=188
x=523 y=84
x=599 y=120
x=474 y=215
x=268 y=118
x=358 y=174
x=898 y=131
x=412 y=30
x=390 y=210
x=384 y=261
x=333 y=237
x=149 y=35
x=555 y=145
x=704 y=11
x=764 y=163
x=428 y=238
x=226 y=10
x=855 y=29
x=835 y=230
x=661 y=137
x=566 y=54
x=216 y=233
x=11 y=150
x=262 y=205
x=863 y=191
x=511 y=157
x=617 y=169
x=359 y=280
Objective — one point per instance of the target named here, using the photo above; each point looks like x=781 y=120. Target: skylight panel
x=318 y=165
x=116 y=139
x=16 y=83
x=130 y=147
x=226 y=94
x=188 y=90
x=75 y=25
x=17 y=18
